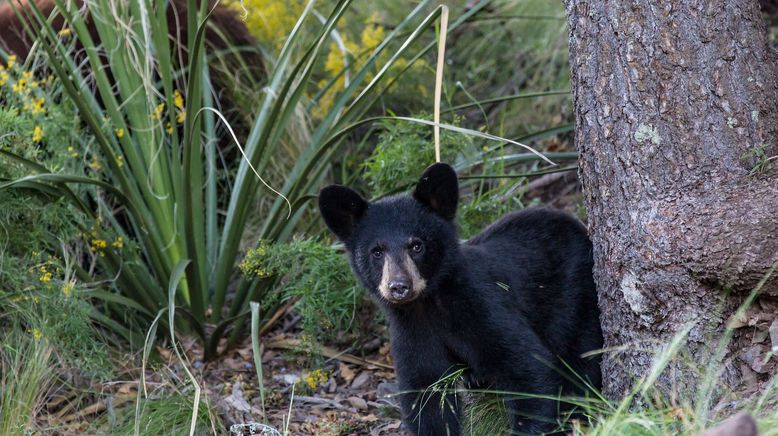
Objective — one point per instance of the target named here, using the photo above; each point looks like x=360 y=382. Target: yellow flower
x=72 y=151
x=68 y=288
x=157 y=114
x=4 y=78
x=269 y=20
x=181 y=117
x=120 y=133
x=35 y=106
x=99 y=243
x=64 y=32
x=37 y=134
x=120 y=161
x=37 y=334
x=118 y=243
x=45 y=277
x=19 y=87
x=169 y=128
x=11 y=61
x=178 y=100
x=373 y=34
x=95 y=164
x=316 y=378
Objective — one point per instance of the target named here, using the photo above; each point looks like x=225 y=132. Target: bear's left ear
x=341 y=208
x=438 y=189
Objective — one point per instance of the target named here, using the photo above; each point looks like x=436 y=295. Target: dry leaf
x=369 y=418
x=346 y=372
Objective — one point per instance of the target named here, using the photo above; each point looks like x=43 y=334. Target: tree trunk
x=676 y=107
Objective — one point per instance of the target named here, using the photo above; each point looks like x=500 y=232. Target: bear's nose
x=399 y=289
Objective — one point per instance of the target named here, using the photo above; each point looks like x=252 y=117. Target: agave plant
x=162 y=178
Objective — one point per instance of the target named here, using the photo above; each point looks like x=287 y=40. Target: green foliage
x=26 y=374
x=151 y=142
x=39 y=289
x=757 y=156
x=487 y=203
x=314 y=274
x=405 y=149
x=164 y=415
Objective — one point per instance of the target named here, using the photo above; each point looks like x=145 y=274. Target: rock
x=236 y=400
x=360 y=380
x=372 y=345
x=741 y=424
x=754 y=356
x=289 y=379
x=357 y=403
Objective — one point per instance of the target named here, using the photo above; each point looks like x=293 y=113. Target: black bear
x=515 y=305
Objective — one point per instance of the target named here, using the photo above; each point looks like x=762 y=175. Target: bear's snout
x=398 y=289
x=400 y=280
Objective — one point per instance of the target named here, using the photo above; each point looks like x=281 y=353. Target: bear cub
x=516 y=305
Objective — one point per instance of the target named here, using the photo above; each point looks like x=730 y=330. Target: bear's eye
x=377 y=253
x=417 y=246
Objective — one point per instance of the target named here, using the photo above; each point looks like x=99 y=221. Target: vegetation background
x=156 y=180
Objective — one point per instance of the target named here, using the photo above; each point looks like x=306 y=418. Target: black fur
x=511 y=304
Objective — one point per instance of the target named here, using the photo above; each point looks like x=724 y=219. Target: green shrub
x=39 y=288
x=404 y=149
x=317 y=276
x=26 y=361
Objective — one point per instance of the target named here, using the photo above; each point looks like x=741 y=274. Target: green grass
x=26 y=374
x=169 y=414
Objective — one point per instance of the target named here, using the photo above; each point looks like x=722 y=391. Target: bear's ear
x=438 y=189
x=341 y=208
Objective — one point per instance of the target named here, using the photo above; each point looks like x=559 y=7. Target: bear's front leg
x=425 y=411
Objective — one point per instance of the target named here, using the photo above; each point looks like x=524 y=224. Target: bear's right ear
x=438 y=189
x=341 y=208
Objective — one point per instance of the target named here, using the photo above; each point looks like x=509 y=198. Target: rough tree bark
x=669 y=96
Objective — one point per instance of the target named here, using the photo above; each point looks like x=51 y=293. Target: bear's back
x=542 y=260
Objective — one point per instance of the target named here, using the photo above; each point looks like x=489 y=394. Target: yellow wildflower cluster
x=270 y=21
x=37 y=334
x=37 y=134
x=118 y=243
x=99 y=245
x=157 y=113
x=46 y=275
x=35 y=105
x=317 y=378
x=178 y=103
x=372 y=35
x=252 y=264
x=26 y=88
x=47 y=269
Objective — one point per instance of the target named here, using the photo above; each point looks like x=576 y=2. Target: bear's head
x=400 y=247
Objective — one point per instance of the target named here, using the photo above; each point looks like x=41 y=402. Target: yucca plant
x=154 y=132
